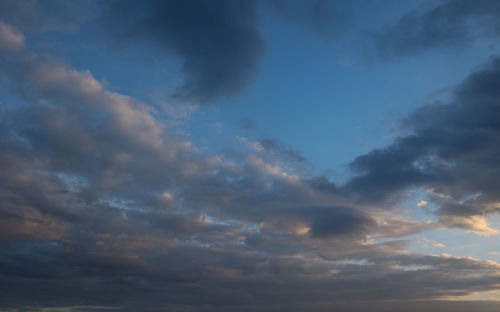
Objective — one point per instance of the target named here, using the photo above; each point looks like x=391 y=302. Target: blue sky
x=200 y=155
x=308 y=92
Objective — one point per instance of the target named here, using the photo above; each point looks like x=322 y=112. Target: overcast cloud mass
x=151 y=156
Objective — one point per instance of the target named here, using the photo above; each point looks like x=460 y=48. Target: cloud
x=286 y=152
x=101 y=205
x=325 y=221
x=452 y=150
x=439 y=245
x=400 y=227
x=93 y=171
x=425 y=242
x=448 y=23
x=475 y=224
x=422 y=203
x=10 y=38
x=219 y=42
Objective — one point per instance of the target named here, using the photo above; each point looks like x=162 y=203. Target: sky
x=267 y=155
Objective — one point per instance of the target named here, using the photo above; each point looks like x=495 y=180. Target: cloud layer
x=103 y=207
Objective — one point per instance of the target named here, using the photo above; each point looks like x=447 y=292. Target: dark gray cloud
x=452 y=150
x=331 y=221
x=253 y=282
x=219 y=42
x=446 y=24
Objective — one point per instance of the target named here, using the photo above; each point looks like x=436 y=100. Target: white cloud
x=422 y=203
